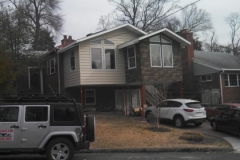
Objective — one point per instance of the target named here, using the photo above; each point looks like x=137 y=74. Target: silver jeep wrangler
x=54 y=126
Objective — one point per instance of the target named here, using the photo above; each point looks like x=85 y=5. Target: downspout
x=220 y=78
x=59 y=90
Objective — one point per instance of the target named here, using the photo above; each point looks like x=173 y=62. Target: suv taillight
x=188 y=110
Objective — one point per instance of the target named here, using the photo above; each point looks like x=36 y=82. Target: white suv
x=181 y=111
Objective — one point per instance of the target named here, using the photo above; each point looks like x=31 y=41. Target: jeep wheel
x=179 y=122
x=90 y=125
x=60 y=149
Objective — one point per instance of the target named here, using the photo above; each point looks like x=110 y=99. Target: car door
x=234 y=122
x=174 y=108
x=35 y=125
x=10 y=123
x=164 y=109
x=223 y=121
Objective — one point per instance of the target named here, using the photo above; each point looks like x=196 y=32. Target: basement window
x=90 y=96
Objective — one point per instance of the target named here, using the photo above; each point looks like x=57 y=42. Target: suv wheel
x=60 y=149
x=179 y=122
x=150 y=117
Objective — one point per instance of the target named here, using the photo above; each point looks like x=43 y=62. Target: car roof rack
x=35 y=97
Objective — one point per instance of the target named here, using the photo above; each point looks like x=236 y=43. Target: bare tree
x=195 y=20
x=105 y=22
x=146 y=15
x=212 y=45
x=40 y=15
x=233 y=20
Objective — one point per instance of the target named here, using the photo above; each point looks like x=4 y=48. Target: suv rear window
x=194 y=105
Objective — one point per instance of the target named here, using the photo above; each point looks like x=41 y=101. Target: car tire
x=90 y=125
x=197 y=124
x=150 y=117
x=60 y=148
x=214 y=126
x=179 y=122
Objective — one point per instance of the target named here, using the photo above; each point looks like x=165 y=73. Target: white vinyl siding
x=91 y=76
x=71 y=78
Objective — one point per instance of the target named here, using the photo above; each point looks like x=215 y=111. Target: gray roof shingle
x=218 y=59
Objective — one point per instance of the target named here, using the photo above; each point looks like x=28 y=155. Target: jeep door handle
x=42 y=126
x=14 y=126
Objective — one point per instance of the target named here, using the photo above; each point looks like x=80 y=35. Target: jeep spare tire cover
x=90 y=125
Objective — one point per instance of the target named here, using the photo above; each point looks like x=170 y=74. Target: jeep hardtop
x=50 y=125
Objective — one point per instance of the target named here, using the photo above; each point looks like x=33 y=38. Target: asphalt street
x=138 y=156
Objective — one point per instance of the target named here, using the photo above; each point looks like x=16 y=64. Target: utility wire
x=180 y=10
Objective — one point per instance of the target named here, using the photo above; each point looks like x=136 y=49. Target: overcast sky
x=81 y=16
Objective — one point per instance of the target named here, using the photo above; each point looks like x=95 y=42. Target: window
x=174 y=104
x=96 y=41
x=194 y=105
x=9 y=114
x=131 y=57
x=64 y=114
x=108 y=42
x=51 y=66
x=155 y=54
x=36 y=114
x=232 y=80
x=227 y=114
x=90 y=97
x=161 y=55
x=206 y=78
x=72 y=61
x=110 y=58
x=167 y=56
x=96 y=58
x=155 y=39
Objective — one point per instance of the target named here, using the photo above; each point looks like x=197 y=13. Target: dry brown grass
x=117 y=131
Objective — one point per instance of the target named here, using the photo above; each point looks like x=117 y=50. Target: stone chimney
x=187 y=61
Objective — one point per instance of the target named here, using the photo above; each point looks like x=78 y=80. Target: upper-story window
x=206 y=78
x=161 y=54
x=131 y=56
x=232 y=80
x=103 y=56
x=72 y=61
x=51 y=63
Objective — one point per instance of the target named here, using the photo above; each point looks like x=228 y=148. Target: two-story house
x=116 y=69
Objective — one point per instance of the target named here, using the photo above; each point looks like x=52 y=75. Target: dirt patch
x=114 y=131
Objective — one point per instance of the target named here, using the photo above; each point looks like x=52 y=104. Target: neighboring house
x=217 y=76
x=117 y=68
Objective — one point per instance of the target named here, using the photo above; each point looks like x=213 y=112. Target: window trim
x=49 y=66
x=206 y=78
x=115 y=60
x=74 y=55
x=91 y=57
x=85 y=96
x=228 y=79
x=161 y=60
x=163 y=56
x=132 y=57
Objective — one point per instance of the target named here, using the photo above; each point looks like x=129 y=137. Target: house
x=117 y=69
x=217 y=76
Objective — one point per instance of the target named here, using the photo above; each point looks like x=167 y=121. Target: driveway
x=207 y=129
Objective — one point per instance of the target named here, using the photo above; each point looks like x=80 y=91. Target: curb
x=136 y=150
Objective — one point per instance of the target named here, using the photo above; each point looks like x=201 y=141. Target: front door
x=9 y=126
x=35 y=126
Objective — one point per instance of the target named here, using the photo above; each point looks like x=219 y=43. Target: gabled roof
x=128 y=26
x=217 y=60
x=166 y=31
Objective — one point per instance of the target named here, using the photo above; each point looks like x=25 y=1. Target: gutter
x=220 y=78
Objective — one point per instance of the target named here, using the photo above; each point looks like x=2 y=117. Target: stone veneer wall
x=153 y=75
